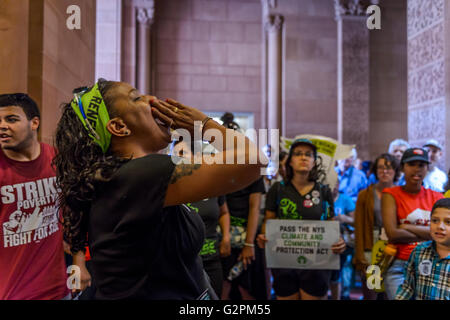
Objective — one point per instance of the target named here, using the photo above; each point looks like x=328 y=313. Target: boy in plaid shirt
x=427 y=274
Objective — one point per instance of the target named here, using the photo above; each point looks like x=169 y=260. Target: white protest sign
x=302 y=244
x=328 y=149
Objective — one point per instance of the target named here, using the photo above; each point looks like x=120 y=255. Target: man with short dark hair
x=32 y=265
x=436 y=178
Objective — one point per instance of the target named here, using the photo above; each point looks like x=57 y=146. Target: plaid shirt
x=427 y=276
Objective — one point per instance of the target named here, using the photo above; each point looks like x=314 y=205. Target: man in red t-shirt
x=406 y=214
x=32 y=265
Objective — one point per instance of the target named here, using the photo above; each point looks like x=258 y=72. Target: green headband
x=91 y=110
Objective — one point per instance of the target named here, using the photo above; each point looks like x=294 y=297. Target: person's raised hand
x=176 y=115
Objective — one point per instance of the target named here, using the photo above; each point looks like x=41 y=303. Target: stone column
x=274 y=27
x=108 y=39
x=144 y=17
x=353 y=74
x=428 y=74
x=128 y=43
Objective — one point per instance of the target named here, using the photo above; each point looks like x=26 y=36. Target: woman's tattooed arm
x=182 y=170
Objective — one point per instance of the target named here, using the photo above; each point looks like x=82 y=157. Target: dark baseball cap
x=415 y=154
x=303 y=141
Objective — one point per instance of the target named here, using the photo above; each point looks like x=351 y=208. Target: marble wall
x=208 y=54
x=310 y=67
x=68 y=58
x=14 y=45
x=388 y=78
x=39 y=55
x=353 y=83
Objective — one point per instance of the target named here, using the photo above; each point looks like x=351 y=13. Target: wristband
x=251 y=245
x=205 y=121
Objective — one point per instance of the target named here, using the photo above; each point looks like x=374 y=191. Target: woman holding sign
x=301 y=196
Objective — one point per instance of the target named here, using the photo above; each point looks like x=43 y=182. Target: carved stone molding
x=428 y=73
x=274 y=23
x=427 y=83
x=267 y=5
x=426 y=47
x=420 y=129
x=352 y=8
x=145 y=15
x=423 y=14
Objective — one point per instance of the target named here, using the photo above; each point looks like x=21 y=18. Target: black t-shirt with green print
x=141 y=249
x=284 y=199
x=209 y=211
x=238 y=202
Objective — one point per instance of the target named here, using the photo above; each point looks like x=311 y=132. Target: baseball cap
x=434 y=143
x=303 y=141
x=415 y=154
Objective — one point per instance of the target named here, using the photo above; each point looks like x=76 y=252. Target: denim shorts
x=394 y=277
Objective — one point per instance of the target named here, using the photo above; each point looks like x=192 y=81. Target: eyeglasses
x=78 y=93
x=306 y=154
x=384 y=168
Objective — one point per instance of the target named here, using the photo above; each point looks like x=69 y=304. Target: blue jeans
x=345 y=275
x=394 y=278
x=348 y=273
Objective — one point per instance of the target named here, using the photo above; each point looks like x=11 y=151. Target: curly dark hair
x=317 y=173
x=390 y=161
x=80 y=164
x=22 y=100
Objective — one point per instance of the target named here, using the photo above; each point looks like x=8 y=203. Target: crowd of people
x=137 y=225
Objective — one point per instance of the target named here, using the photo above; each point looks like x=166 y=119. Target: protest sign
x=301 y=244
